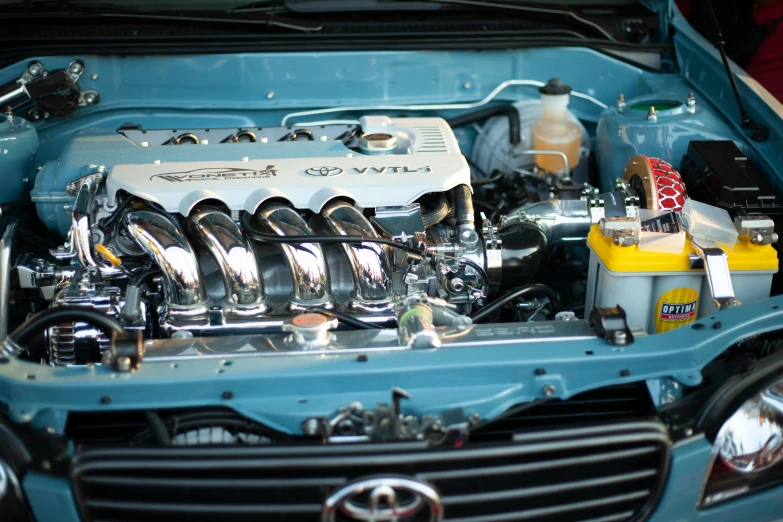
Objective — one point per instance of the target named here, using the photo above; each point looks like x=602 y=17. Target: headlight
x=12 y=504
x=748 y=448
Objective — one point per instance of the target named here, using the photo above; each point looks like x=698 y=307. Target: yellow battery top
x=744 y=256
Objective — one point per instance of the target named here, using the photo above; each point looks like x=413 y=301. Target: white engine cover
x=306 y=173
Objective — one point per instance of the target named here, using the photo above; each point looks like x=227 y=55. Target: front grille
x=606 y=473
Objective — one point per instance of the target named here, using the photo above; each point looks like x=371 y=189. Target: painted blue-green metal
x=485 y=379
x=18 y=146
x=623 y=133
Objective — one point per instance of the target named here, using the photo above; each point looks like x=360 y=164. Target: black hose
x=258 y=235
x=347 y=319
x=158 y=428
x=54 y=316
x=478 y=268
x=463 y=205
x=509 y=111
x=514 y=295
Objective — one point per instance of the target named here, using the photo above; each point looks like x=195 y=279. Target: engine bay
x=420 y=219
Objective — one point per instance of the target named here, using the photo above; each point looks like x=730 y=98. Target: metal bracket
x=759 y=230
x=611 y=324
x=716 y=264
x=387 y=423
x=624 y=231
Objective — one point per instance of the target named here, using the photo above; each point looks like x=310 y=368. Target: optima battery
x=660 y=291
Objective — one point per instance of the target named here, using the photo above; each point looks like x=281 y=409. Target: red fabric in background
x=767 y=64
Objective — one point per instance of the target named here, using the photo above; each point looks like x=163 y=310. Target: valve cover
x=424 y=158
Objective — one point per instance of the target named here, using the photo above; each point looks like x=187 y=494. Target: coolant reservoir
x=554 y=131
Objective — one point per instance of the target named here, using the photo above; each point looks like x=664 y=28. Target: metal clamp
x=125 y=352
x=716 y=264
x=611 y=324
x=759 y=230
x=492 y=253
x=624 y=231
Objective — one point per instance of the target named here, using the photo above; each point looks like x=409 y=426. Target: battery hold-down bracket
x=611 y=324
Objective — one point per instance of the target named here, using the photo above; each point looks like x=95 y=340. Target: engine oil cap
x=377 y=143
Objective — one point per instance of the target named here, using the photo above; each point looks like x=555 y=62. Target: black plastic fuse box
x=717 y=173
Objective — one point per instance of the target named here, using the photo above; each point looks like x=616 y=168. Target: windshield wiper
x=273 y=16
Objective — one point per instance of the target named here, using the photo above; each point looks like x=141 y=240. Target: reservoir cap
x=555 y=86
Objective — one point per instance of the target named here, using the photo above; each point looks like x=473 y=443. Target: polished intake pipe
x=226 y=242
x=305 y=261
x=369 y=263
x=162 y=240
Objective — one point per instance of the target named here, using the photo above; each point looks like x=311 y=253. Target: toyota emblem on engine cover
x=324 y=171
x=387 y=499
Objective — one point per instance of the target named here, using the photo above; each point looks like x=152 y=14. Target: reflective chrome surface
x=361 y=341
x=561 y=221
x=225 y=241
x=5 y=277
x=384 y=499
x=369 y=263
x=305 y=261
x=752 y=439
x=170 y=250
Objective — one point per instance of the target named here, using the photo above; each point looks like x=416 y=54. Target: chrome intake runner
x=170 y=250
x=369 y=263
x=226 y=242
x=305 y=261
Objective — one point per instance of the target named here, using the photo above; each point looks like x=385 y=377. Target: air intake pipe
x=226 y=243
x=305 y=261
x=369 y=263
x=171 y=251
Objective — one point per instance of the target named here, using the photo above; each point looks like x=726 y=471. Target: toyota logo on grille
x=324 y=171
x=392 y=499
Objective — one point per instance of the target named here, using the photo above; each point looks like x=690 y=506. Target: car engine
x=380 y=222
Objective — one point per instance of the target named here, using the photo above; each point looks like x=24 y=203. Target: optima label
x=678 y=312
x=676 y=308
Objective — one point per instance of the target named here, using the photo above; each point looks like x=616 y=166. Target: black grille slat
x=602 y=473
x=548 y=513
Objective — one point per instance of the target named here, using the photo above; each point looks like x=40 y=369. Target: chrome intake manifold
x=211 y=245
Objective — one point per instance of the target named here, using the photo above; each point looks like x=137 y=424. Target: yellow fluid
x=561 y=136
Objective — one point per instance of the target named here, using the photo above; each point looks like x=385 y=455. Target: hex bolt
x=311 y=427
x=652 y=116
x=94 y=76
x=90 y=98
x=75 y=68
x=688 y=432
x=621 y=105
x=467 y=85
x=270 y=95
x=620 y=337
x=667 y=399
x=457 y=284
x=474 y=419
x=35 y=69
x=548 y=390
x=123 y=364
